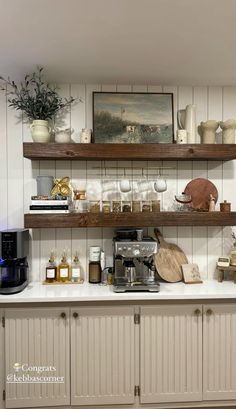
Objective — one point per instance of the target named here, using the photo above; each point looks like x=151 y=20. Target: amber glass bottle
x=63 y=269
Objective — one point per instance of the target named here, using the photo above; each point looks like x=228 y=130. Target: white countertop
x=36 y=292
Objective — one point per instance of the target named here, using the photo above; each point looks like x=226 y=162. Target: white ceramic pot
x=63 y=135
x=228 y=131
x=208 y=131
x=40 y=131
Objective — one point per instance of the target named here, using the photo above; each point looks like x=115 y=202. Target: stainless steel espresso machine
x=133 y=262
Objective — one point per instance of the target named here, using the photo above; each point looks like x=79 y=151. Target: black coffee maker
x=14 y=249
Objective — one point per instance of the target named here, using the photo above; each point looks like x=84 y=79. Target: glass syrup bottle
x=63 y=269
x=51 y=269
x=75 y=270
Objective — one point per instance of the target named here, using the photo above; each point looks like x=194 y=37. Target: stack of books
x=47 y=204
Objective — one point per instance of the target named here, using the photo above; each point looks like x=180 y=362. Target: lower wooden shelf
x=80 y=220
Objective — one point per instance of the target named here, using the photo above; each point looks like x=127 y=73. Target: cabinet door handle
x=63 y=315
x=197 y=312
x=209 y=312
x=75 y=314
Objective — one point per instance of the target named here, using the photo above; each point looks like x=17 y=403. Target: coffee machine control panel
x=135 y=249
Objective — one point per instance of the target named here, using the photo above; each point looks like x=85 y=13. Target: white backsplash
x=18 y=178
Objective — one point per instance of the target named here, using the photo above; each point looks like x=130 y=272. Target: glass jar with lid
x=116 y=206
x=94 y=206
x=156 y=205
x=146 y=206
x=136 y=206
x=106 y=206
x=126 y=206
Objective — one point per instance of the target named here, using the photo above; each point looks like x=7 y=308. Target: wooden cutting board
x=200 y=191
x=169 y=259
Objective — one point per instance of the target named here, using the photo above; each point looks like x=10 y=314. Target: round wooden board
x=200 y=191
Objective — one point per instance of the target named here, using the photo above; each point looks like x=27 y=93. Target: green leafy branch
x=35 y=98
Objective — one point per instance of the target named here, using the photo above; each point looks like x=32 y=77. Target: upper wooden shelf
x=130 y=219
x=100 y=151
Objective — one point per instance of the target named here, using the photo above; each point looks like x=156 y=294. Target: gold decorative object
x=61 y=187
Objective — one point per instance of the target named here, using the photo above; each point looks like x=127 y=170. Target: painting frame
x=149 y=120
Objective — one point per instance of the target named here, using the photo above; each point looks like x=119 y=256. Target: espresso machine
x=14 y=248
x=134 y=268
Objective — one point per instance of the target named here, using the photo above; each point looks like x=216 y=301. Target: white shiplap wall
x=18 y=178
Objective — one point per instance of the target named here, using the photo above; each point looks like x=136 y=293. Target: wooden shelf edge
x=80 y=151
x=81 y=220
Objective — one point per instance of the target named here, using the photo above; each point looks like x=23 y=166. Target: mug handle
x=31 y=126
x=179 y=114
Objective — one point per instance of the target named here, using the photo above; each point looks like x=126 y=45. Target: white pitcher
x=187 y=120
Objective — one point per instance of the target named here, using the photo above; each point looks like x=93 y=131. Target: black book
x=49 y=207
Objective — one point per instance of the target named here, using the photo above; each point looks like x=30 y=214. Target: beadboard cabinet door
x=219 y=352
x=171 y=353
x=102 y=356
x=37 y=338
x=2 y=380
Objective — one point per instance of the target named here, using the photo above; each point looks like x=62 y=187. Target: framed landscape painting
x=121 y=117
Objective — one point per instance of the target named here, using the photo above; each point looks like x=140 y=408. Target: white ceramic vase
x=208 y=131
x=40 y=131
x=187 y=120
x=228 y=131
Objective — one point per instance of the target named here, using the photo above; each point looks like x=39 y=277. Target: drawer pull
x=75 y=314
x=197 y=312
x=63 y=315
x=209 y=312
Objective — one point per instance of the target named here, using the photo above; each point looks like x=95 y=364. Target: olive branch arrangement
x=36 y=98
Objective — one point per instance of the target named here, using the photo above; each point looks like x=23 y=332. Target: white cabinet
x=219 y=352
x=178 y=353
x=2 y=382
x=171 y=353
x=37 y=338
x=102 y=356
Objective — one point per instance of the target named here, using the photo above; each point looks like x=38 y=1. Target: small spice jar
x=225 y=206
x=136 y=206
x=80 y=206
x=156 y=205
x=94 y=206
x=106 y=206
x=116 y=206
x=146 y=206
x=126 y=206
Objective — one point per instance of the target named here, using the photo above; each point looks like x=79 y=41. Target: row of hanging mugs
x=159 y=185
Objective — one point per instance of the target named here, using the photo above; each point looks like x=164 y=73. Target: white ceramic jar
x=40 y=131
x=228 y=131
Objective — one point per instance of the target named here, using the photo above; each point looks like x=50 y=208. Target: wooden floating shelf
x=101 y=151
x=80 y=220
